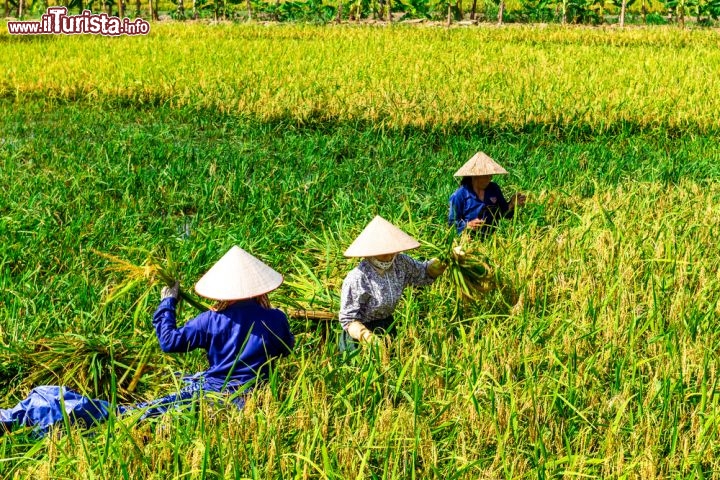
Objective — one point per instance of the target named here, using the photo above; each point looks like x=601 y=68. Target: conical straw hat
x=480 y=164
x=238 y=275
x=380 y=237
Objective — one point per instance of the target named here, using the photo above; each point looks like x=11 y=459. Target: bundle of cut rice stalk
x=468 y=271
x=97 y=364
x=151 y=272
x=307 y=296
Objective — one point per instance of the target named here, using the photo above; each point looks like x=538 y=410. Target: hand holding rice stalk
x=469 y=272
x=152 y=271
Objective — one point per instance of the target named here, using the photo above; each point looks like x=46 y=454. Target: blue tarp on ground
x=45 y=405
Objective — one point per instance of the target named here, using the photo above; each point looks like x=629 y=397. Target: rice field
x=596 y=359
x=515 y=77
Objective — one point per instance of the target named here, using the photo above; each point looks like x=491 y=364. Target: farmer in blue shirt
x=241 y=335
x=479 y=203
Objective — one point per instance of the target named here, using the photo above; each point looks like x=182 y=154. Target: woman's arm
x=415 y=272
x=352 y=302
x=172 y=339
x=353 y=299
x=284 y=336
x=456 y=216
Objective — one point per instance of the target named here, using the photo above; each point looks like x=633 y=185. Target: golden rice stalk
x=307 y=295
x=152 y=271
x=97 y=365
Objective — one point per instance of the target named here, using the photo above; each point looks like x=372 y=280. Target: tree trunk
x=249 y=9
x=564 y=7
x=501 y=10
x=7 y=8
x=153 y=9
x=622 y=13
x=449 y=19
x=338 y=18
x=20 y=8
x=180 y=8
x=473 y=10
x=643 y=8
x=195 y=14
x=460 y=9
x=121 y=8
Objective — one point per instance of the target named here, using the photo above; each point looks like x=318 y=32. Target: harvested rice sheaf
x=469 y=272
x=151 y=272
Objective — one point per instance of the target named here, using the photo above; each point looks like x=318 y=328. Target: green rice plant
x=312 y=289
x=610 y=349
x=308 y=291
x=100 y=366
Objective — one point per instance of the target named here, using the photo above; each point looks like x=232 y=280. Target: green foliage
x=618 y=3
x=655 y=19
x=584 y=11
x=709 y=8
x=416 y=8
x=538 y=11
x=306 y=10
x=680 y=8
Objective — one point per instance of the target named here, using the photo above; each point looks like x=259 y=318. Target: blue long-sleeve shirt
x=240 y=341
x=466 y=206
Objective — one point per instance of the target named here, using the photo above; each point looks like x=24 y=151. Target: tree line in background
x=588 y=12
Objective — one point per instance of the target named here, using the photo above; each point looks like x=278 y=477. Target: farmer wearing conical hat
x=241 y=337
x=241 y=334
x=479 y=202
x=371 y=290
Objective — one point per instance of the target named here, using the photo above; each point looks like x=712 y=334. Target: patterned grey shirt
x=368 y=295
